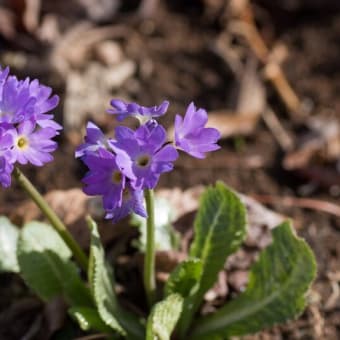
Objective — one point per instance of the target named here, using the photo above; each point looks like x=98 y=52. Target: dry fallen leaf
x=323 y=142
x=233 y=123
x=238 y=280
x=7 y=23
x=88 y=92
x=73 y=49
x=100 y=10
x=219 y=290
x=31 y=15
x=69 y=205
x=72 y=206
x=186 y=201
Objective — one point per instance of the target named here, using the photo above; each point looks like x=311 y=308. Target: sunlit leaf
x=164 y=317
x=102 y=286
x=276 y=291
x=220 y=228
x=185 y=278
x=8 y=246
x=88 y=319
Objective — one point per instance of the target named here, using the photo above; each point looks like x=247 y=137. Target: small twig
x=147 y=8
x=331 y=301
x=334 y=281
x=31 y=15
x=306 y=203
x=275 y=75
x=254 y=40
x=280 y=134
x=246 y=26
x=318 y=321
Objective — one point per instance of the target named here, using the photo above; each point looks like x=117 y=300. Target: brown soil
x=176 y=60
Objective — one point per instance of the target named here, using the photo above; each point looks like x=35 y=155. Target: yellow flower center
x=22 y=142
x=143 y=160
x=117 y=177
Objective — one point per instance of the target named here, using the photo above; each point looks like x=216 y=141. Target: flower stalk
x=149 y=259
x=55 y=221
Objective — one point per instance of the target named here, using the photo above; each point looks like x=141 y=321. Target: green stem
x=55 y=221
x=149 y=259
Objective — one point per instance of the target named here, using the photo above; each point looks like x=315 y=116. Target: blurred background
x=268 y=73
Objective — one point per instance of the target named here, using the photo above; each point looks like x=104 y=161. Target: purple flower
x=6 y=157
x=141 y=155
x=33 y=145
x=132 y=201
x=44 y=103
x=26 y=131
x=16 y=104
x=6 y=141
x=121 y=168
x=122 y=110
x=24 y=99
x=3 y=75
x=6 y=170
x=190 y=134
x=94 y=140
x=104 y=178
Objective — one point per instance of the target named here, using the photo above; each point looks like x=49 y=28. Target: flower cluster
x=26 y=130
x=121 y=168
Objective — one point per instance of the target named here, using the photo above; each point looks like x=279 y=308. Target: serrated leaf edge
x=226 y=321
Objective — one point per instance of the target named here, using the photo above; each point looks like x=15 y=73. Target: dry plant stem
x=55 y=221
x=147 y=8
x=281 y=135
x=306 y=203
x=149 y=258
x=273 y=72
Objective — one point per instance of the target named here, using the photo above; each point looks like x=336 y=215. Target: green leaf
x=164 y=317
x=220 y=228
x=101 y=281
x=88 y=319
x=185 y=278
x=166 y=237
x=8 y=246
x=44 y=261
x=276 y=291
